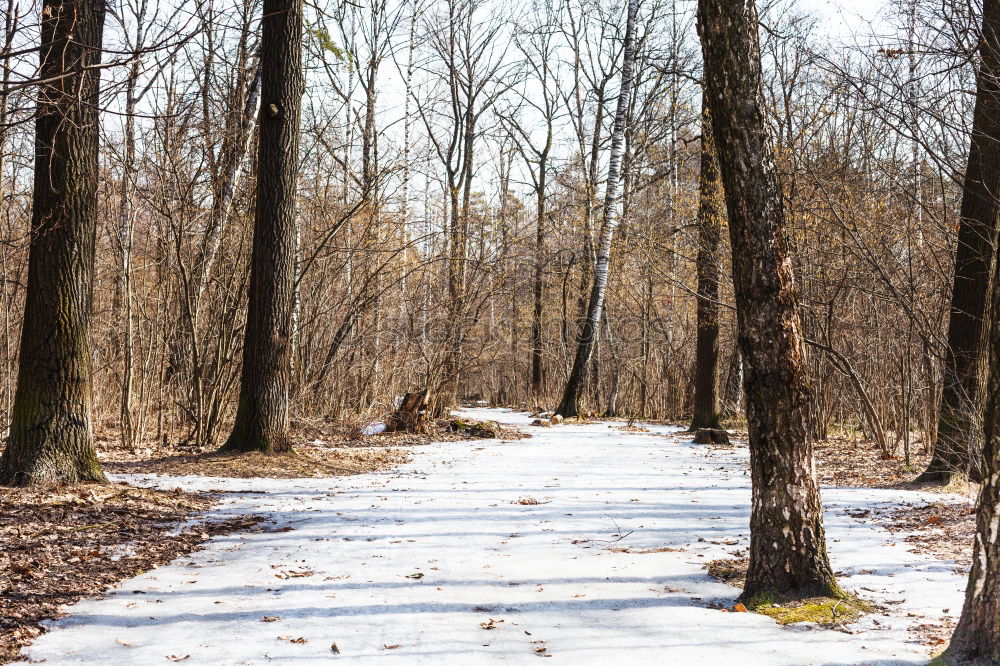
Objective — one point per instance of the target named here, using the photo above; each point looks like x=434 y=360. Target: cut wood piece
x=412 y=413
x=711 y=436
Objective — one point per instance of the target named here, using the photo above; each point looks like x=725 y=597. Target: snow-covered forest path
x=437 y=563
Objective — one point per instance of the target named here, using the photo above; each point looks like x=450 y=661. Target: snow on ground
x=410 y=566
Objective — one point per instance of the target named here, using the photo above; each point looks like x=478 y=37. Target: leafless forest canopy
x=454 y=157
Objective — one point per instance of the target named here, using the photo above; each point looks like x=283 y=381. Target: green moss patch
x=825 y=611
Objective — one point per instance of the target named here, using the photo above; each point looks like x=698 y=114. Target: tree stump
x=711 y=436
x=412 y=413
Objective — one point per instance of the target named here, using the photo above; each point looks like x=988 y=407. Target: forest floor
x=584 y=543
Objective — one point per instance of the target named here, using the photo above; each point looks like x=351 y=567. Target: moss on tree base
x=825 y=611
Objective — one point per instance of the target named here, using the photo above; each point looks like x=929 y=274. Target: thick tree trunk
x=577 y=384
x=710 y=214
x=957 y=447
x=262 y=415
x=787 y=543
x=977 y=637
x=51 y=433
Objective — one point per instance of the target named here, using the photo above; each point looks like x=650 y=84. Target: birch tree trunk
x=51 y=433
x=787 y=542
x=262 y=414
x=961 y=399
x=577 y=383
x=710 y=215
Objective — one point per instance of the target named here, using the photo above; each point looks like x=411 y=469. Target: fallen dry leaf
x=57 y=541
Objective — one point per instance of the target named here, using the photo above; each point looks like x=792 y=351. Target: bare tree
x=977 y=637
x=51 y=434
x=473 y=76
x=710 y=220
x=570 y=405
x=956 y=451
x=538 y=47
x=787 y=542
x=262 y=412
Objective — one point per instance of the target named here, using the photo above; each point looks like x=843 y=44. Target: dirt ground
x=67 y=543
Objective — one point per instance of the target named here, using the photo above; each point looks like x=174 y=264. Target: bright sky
x=844 y=18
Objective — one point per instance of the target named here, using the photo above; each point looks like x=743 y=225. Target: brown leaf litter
x=732 y=571
x=307 y=461
x=848 y=462
x=943 y=530
x=71 y=542
x=321 y=450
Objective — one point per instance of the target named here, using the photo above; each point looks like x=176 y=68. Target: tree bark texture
x=788 y=556
x=262 y=414
x=711 y=206
x=957 y=448
x=977 y=637
x=51 y=432
x=577 y=383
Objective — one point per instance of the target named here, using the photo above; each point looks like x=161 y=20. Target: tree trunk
x=611 y=410
x=977 y=637
x=956 y=449
x=262 y=415
x=733 y=394
x=51 y=432
x=710 y=215
x=538 y=293
x=787 y=543
x=570 y=405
